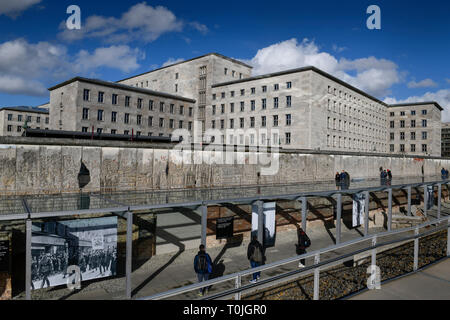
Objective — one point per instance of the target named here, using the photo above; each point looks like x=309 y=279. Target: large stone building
x=415 y=128
x=87 y=105
x=303 y=108
x=445 y=140
x=12 y=119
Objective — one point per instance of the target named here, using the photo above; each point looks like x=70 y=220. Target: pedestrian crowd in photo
x=342 y=180
x=385 y=177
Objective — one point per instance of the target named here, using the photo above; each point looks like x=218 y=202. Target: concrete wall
x=48 y=169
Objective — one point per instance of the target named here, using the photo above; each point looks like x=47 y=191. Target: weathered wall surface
x=51 y=169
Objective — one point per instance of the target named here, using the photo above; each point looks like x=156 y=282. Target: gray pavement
x=432 y=283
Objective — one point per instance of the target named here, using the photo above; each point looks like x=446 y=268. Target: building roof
x=123 y=87
x=296 y=70
x=25 y=109
x=416 y=104
x=205 y=55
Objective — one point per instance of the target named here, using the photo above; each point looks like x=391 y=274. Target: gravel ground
x=338 y=282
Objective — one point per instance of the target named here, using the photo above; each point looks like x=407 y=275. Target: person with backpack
x=202 y=267
x=303 y=243
x=255 y=256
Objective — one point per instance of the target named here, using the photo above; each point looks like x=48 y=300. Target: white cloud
x=338 y=49
x=27 y=68
x=426 y=83
x=13 y=8
x=199 y=27
x=442 y=97
x=373 y=75
x=172 y=61
x=141 y=22
x=448 y=80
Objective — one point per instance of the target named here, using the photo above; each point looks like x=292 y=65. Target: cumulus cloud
x=13 y=8
x=373 y=75
x=141 y=22
x=426 y=83
x=338 y=49
x=172 y=61
x=442 y=97
x=27 y=68
x=199 y=27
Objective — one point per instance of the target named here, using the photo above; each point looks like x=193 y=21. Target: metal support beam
x=316 y=277
x=416 y=251
x=338 y=218
x=237 y=285
x=366 y=213
x=374 y=251
x=409 y=201
x=204 y=211
x=389 y=224
x=425 y=200
x=28 y=260
x=129 y=251
x=448 y=238
x=259 y=205
x=439 y=200
x=304 y=212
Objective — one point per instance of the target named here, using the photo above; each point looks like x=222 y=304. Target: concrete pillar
x=439 y=201
x=366 y=212
x=316 y=277
x=28 y=260
x=425 y=199
x=409 y=201
x=259 y=205
x=129 y=254
x=304 y=212
x=389 y=224
x=416 y=251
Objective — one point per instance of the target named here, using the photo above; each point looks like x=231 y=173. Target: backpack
x=304 y=240
x=256 y=256
x=202 y=263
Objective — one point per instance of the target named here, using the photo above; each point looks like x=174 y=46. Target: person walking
x=203 y=268
x=45 y=269
x=337 y=179
x=303 y=243
x=255 y=256
x=389 y=174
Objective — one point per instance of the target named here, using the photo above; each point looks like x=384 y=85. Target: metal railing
x=237 y=277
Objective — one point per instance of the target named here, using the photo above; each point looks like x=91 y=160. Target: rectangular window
x=47 y=120
x=127 y=101
x=263 y=121
x=424 y=135
x=402 y=136
x=264 y=88
x=242 y=106
x=252 y=122
x=100 y=97
x=231 y=107
x=113 y=116
x=172 y=108
x=392 y=124
x=223 y=95
x=139 y=103
x=214 y=96
x=424 y=122
x=288 y=119
x=189 y=125
x=222 y=124
x=391 y=148
x=126 y=132
x=392 y=136
x=86 y=95
x=114 y=99
x=99 y=130
x=402 y=123
x=413 y=123
x=402 y=113
x=213 y=124
x=413 y=113
x=424 y=112
x=264 y=104
x=392 y=114
x=161 y=107
x=275 y=121
x=180 y=124
x=252 y=105
x=413 y=148
x=276 y=87
x=85 y=113
x=231 y=123
x=275 y=103
x=424 y=148
x=402 y=148
x=150 y=121
x=288 y=101
x=413 y=136
x=232 y=94
x=10 y=117
x=242 y=92
x=222 y=107
x=150 y=105
x=171 y=123
x=161 y=122
x=241 y=122
x=289 y=85
x=213 y=110
x=288 y=138
x=139 y=120
x=84 y=129
x=190 y=111
x=126 y=119
x=181 y=110
x=9 y=128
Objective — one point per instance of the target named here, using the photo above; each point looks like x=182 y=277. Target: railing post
x=204 y=210
x=416 y=250
x=316 y=277
x=439 y=200
x=409 y=201
x=238 y=284
x=366 y=213
x=389 y=224
x=304 y=212
x=374 y=251
x=338 y=218
x=28 y=260
x=425 y=200
x=129 y=251
x=448 y=237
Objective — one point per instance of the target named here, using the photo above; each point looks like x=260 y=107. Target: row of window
x=276 y=87
x=342 y=125
x=275 y=122
x=353 y=143
x=139 y=103
x=275 y=105
x=413 y=113
x=29 y=118
x=413 y=123
x=125 y=132
x=233 y=73
x=412 y=148
x=9 y=128
x=354 y=112
x=139 y=118
x=412 y=135
x=354 y=99
x=265 y=139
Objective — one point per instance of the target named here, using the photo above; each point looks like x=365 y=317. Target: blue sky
x=407 y=60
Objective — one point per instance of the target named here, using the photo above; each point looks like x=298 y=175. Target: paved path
x=433 y=283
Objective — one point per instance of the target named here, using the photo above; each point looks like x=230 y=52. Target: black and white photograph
x=90 y=244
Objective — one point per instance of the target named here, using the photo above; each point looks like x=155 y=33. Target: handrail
x=208 y=283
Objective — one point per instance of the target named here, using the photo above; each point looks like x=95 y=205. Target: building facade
x=415 y=128
x=89 y=105
x=12 y=119
x=192 y=79
x=303 y=108
x=445 y=140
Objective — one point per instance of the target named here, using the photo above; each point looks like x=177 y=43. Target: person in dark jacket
x=443 y=174
x=389 y=174
x=303 y=243
x=202 y=267
x=337 y=179
x=255 y=254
